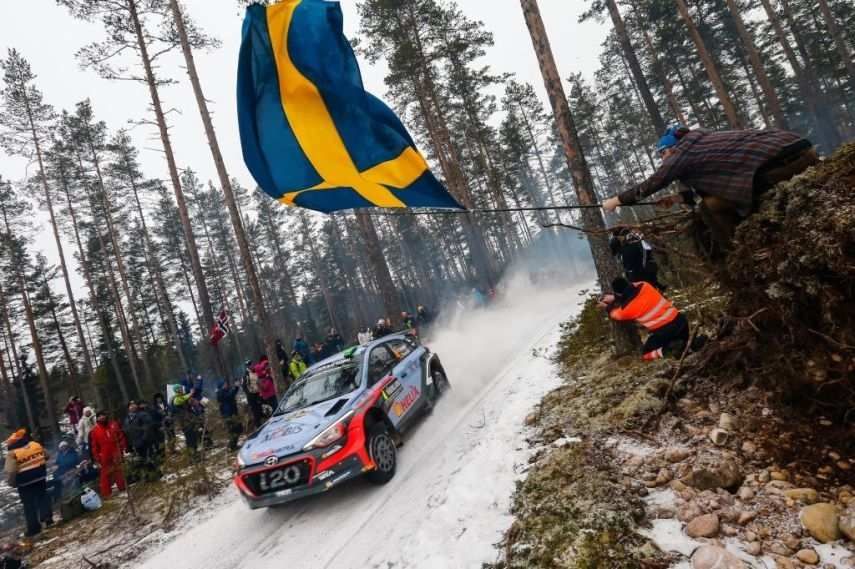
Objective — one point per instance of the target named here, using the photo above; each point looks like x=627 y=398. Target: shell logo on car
x=402 y=406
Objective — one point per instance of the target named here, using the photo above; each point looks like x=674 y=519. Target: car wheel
x=383 y=452
x=440 y=383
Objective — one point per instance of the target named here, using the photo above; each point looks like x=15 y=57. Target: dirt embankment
x=742 y=456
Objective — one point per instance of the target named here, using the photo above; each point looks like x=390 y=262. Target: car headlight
x=331 y=434
x=240 y=461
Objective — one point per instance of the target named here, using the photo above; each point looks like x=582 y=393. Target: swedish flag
x=311 y=135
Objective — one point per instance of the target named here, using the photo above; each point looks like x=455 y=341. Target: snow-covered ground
x=449 y=502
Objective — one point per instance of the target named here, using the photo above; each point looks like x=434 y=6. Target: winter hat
x=671 y=137
x=620 y=285
x=16 y=437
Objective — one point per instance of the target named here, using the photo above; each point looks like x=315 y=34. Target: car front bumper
x=346 y=469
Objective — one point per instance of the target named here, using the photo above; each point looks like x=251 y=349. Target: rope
x=504 y=209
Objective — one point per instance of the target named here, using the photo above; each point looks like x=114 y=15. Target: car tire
x=440 y=383
x=383 y=452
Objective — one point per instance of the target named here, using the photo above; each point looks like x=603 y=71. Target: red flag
x=216 y=334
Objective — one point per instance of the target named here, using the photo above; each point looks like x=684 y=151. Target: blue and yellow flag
x=311 y=135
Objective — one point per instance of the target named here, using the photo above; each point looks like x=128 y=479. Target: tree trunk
x=319 y=270
x=839 y=40
x=275 y=238
x=709 y=65
x=154 y=269
x=808 y=85
x=667 y=85
x=50 y=408
x=773 y=103
x=225 y=183
x=69 y=362
x=121 y=319
x=374 y=252
x=189 y=239
x=10 y=398
x=120 y=265
x=635 y=67
x=426 y=91
x=88 y=279
x=626 y=337
x=87 y=360
x=28 y=405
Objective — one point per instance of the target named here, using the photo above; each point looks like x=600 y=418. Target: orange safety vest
x=649 y=308
x=32 y=462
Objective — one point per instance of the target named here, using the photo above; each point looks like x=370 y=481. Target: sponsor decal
x=338 y=479
x=321 y=476
x=298 y=414
x=331 y=452
x=400 y=407
x=283 y=431
x=283 y=493
x=271 y=460
x=392 y=390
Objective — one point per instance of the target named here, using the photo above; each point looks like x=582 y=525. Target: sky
x=51 y=47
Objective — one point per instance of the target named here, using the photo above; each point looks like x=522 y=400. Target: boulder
x=677 y=454
x=821 y=521
x=753 y=548
x=719 y=437
x=728 y=422
x=807 y=556
x=703 y=526
x=725 y=474
x=847 y=524
x=714 y=557
x=746 y=494
x=803 y=495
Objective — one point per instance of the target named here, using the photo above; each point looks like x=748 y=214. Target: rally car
x=344 y=418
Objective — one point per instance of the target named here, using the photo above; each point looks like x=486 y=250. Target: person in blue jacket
x=302 y=348
x=67 y=461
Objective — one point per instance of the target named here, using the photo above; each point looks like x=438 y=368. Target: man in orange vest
x=642 y=303
x=26 y=470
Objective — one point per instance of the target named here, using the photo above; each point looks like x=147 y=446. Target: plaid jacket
x=720 y=164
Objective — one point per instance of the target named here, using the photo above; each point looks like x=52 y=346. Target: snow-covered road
x=448 y=504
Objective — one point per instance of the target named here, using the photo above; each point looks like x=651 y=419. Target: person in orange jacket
x=640 y=302
x=107 y=446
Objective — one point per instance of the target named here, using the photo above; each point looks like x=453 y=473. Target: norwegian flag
x=223 y=321
x=220 y=328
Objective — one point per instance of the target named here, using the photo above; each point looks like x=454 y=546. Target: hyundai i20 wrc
x=343 y=418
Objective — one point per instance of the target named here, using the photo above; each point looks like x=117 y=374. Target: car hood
x=288 y=434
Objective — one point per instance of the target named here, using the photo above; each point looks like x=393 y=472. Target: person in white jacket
x=84 y=427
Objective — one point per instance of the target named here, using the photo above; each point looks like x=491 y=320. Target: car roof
x=356 y=353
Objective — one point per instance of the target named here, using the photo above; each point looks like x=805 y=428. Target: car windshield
x=321 y=386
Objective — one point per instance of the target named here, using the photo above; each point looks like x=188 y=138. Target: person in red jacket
x=74 y=410
x=106 y=444
x=266 y=387
x=642 y=303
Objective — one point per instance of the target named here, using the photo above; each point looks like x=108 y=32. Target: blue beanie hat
x=671 y=137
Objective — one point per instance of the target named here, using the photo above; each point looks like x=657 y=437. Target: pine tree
x=17 y=260
x=225 y=183
x=626 y=338
x=129 y=28
x=25 y=120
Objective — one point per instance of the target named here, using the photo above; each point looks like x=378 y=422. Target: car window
x=380 y=363
x=318 y=387
x=400 y=348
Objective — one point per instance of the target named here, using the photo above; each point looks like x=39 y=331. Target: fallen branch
x=831 y=340
x=677 y=373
